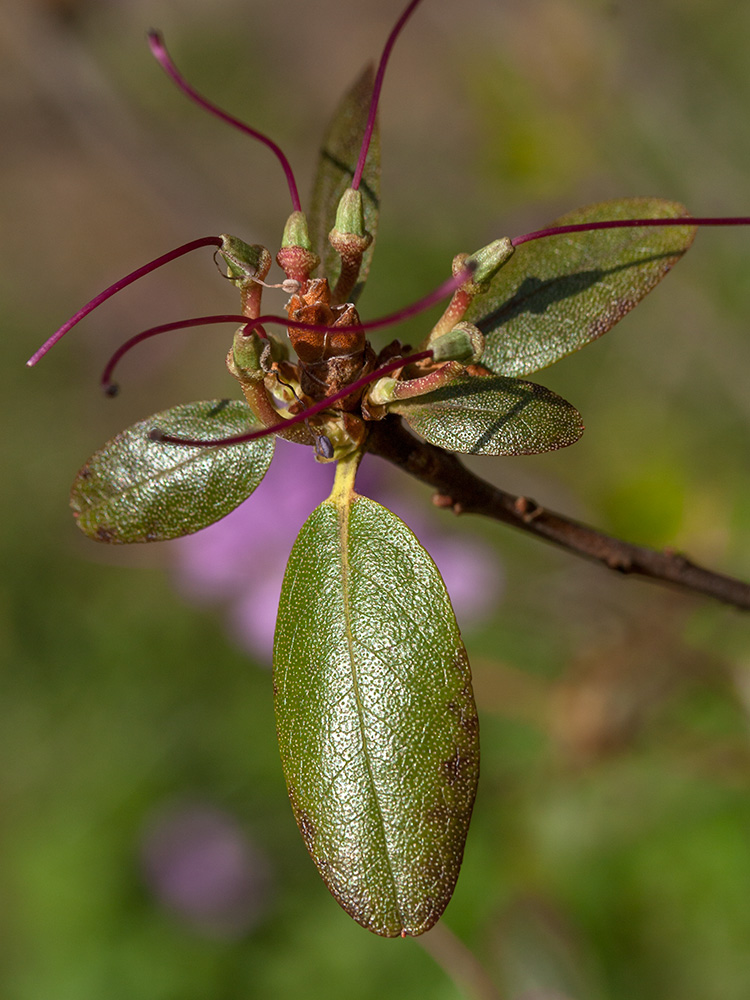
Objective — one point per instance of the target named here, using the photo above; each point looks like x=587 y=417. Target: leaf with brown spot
x=557 y=294
x=375 y=714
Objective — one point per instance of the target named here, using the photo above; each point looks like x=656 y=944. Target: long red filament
x=298 y=418
x=110 y=387
x=118 y=285
x=376 y=92
x=441 y=292
x=159 y=50
x=587 y=227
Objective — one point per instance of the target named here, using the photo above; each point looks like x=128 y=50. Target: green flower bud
x=490 y=259
x=295 y=232
x=247 y=350
x=463 y=343
x=381 y=392
x=245 y=261
x=350 y=215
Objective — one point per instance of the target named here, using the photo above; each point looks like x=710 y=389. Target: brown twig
x=466 y=493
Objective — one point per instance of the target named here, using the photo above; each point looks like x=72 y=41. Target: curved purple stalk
x=111 y=387
x=586 y=227
x=159 y=51
x=152 y=265
x=441 y=292
x=376 y=92
x=298 y=418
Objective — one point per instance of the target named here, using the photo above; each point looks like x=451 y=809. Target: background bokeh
x=609 y=856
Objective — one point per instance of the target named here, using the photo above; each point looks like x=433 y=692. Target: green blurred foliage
x=610 y=851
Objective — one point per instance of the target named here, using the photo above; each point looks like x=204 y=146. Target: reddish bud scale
x=297 y=263
x=332 y=359
x=350 y=249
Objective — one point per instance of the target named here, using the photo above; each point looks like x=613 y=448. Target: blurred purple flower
x=200 y=865
x=240 y=560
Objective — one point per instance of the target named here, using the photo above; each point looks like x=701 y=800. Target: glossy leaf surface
x=336 y=165
x=375 y=714
x=492 y=415
x=559 y=293
x=138 y=490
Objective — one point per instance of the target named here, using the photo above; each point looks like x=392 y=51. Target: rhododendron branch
x=297 y=418
x=106 y=380
x=159 y=51
x=376 y=92
x=118 y=285
x=465 y=493
x=586 y=227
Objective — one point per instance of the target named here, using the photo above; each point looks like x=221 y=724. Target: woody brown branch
x=465 y=493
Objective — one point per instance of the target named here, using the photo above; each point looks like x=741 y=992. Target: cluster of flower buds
x=335 y=382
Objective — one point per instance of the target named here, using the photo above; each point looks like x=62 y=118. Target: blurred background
x=147 y=845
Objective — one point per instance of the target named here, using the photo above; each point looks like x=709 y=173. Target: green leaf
x=376 y=719
x=138 y=490
x=336 y=165
x=492 y=415
x=559 y=293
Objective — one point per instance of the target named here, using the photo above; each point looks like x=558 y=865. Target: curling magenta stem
x=376 y=92
x=441 y=292
x=160 y=53
x=298 y=418
x=586 y=227
x=106 y=380
x=140 y=272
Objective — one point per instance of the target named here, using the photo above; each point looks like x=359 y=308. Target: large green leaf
x=336 y=165
x=559 y=293
x=492 y=415
x=139 y=490
x=375 y=714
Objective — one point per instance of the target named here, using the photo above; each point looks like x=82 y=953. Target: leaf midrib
x=344 y=507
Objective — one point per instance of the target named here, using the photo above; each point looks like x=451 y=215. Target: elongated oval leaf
x=138 y=490
x=375 y=713
x=559 y=293
x=336 y=165
x=492 y=415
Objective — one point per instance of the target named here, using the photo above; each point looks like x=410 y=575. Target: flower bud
x=246 y=262
x=349 y=238
x=296 y=258
x=350 y=214
x=490 y=259
x=246 y=352
x=463 y=343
